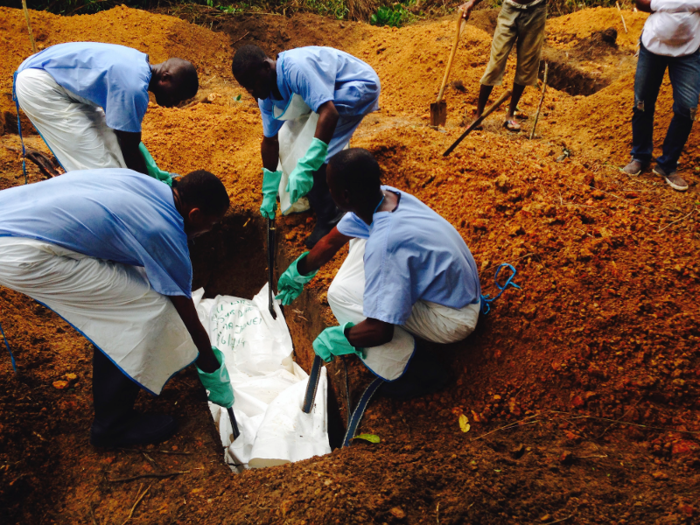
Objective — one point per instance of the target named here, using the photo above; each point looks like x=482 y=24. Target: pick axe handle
x=232 y=417
x=312 y=386
x=460 y=20
x=478 y=121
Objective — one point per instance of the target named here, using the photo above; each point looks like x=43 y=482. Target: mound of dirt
x=581 y=388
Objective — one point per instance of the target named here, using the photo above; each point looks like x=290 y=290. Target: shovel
x=234 y=425
x=312 y=385
x=271 y=265
x=438 y=109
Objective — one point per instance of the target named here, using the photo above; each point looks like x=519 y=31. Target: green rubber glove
x=291 y=282
x=332 y=342
x=218 y=383
x=270 y=186
x=153 y=170
x=301 y=179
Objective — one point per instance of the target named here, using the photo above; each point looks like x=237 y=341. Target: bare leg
x=484 y=94
x=511 y=123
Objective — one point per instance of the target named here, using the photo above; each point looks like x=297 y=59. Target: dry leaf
x=464 y=423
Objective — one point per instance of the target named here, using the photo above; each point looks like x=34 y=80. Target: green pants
x=526 y=26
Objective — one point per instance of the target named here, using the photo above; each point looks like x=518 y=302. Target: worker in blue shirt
x=107 y=251
x=336 y=87
x=87 y=100
x=408 y=274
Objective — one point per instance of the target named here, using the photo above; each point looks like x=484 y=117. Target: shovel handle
x=271 y=265
x=312 y=385
x=234 y=425
x=460 y=20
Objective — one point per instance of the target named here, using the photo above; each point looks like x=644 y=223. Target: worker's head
x=174 y=81
x=254 y=71
x=353 y=177
x=203 y=201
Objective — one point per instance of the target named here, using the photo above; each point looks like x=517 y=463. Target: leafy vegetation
x=394 y=15
x=377 y=12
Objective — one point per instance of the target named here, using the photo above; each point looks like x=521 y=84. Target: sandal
x=512 y=125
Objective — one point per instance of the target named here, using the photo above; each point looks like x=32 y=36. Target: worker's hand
x=218 y=383
x=153 y=169
x=291 y=282
x=301 y=179
x=332 y=341
x=270 y=187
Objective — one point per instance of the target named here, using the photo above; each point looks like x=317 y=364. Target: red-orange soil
x=581 y=389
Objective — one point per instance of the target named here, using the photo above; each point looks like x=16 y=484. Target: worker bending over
x=520 y=21
x=338 y=87
x=87 y=100
x=107 y=251
x=408 y=274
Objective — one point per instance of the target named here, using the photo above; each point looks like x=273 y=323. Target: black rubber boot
x=116 y=423
x=327 y=213
x=425 y=375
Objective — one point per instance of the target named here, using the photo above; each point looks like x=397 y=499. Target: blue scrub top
x=412 y=254
x=113 y=77
x=319 y=74
x=115 y=214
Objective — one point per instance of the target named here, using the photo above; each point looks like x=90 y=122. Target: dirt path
x=604 y=330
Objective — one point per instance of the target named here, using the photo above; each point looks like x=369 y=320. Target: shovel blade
x=438 y=113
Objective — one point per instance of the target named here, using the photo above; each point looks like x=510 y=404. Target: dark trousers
x=684 y=73
x=113 y=393
x=320 y=198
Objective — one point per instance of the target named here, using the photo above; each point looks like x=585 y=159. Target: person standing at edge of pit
x=87 y=100
x=519 y=20
x=408 y=273
x=107 y=250
x=342 y=89
x=670 y=38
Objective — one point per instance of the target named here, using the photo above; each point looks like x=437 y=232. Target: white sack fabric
x=111 y=304
x=429 y=321
x=73 y=128
x=268 y=385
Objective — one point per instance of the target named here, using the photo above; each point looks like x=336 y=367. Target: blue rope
x=486 y=300
x=12 y=357
x=19 y=130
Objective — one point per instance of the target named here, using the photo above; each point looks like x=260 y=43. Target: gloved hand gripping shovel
x=271 y=264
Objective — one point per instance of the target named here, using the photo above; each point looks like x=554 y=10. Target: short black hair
x=247 y=59
x=356 y=170
x=203 y=190
x=186 y=77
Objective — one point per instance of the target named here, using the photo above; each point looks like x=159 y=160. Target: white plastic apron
x=429 y=321
x=74 y=129
x=111 y=304
x=294 y=137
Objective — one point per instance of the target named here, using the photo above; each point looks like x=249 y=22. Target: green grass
x=393 y=15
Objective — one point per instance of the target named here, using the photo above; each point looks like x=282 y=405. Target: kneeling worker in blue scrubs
x=337 y=87
x=107 y=251
x=408 y=274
